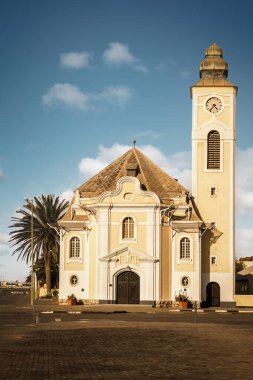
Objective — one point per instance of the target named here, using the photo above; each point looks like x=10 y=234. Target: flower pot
x=183 y=305
x=71 y=302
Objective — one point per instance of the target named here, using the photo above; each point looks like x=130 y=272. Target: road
x=122 y=345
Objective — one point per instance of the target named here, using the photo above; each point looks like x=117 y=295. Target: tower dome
x=213 y=66
x=214 y=50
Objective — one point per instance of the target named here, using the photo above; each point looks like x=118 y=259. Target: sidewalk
x=45 y=305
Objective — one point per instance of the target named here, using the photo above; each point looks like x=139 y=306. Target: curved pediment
x=128 y=190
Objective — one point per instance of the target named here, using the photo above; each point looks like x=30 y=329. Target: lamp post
x=32 y=249
x=30 y=202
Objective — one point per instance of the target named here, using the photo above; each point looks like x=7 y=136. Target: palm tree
x=39 y=269
x=47 y=210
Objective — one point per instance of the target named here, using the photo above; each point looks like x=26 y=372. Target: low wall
x=244 y=300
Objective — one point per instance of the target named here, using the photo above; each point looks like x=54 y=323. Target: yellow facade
x=214 y=188
x=179 y=242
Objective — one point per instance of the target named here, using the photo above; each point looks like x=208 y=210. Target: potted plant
x=183 y=300
x=55 y=293
x=72 y=300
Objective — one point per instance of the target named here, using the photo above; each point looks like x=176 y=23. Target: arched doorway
x=128 y=288
x=213 y=294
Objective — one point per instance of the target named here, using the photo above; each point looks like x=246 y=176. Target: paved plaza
x=132 y=345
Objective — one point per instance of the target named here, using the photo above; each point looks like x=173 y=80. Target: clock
x=214 y=105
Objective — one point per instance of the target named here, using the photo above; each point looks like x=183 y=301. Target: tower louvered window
x=128 y=228
x=213 y=150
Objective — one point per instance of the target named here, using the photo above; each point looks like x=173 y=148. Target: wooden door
x=213 y=294
x=128 y=288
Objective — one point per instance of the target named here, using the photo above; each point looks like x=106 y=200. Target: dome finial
x=214 y=51
x=213 y=66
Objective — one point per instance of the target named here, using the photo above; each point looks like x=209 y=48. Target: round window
x=74 y=280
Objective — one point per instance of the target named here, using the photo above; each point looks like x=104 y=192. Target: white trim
x=123 y=207
x=119 y=188
x=74 y=259
x=134 y=239
x=144 y=257
x=77 y=277
x=185 y=260
x=232 y=213
x=206 y=170
x=189 y=280
x=213 y=96
x=139 y=223
x=122 y=270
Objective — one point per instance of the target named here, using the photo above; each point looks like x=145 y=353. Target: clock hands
x=213 y=106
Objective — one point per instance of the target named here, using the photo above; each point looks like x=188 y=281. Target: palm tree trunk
x=48 y=273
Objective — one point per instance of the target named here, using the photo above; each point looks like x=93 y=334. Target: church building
x=133 y=234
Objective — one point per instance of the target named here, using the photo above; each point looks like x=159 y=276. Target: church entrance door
x=128 y=288
x=213 y=294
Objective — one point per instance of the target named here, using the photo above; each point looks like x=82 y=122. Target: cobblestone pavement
x=135 y=345
x=92 y=347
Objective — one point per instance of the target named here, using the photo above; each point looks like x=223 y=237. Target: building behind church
x=132 y=234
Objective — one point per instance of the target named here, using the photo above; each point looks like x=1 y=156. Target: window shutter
x=213 y=150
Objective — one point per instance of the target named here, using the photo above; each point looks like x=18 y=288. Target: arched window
x=128 y=228
x=213 y=150
x=74 y=248
x=185 y=248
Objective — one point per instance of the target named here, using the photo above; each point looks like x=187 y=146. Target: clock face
x=214 y=105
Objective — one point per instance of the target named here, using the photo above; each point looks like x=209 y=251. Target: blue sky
x=81 y=79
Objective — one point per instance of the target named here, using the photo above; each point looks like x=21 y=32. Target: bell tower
x=213 y=175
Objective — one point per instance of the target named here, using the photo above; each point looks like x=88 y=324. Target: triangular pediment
x=128 y=255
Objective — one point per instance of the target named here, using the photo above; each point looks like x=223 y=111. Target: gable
x=128 y=192
x=133 y=164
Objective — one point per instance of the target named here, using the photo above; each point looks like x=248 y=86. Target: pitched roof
x=152 y=178
x=71 y=216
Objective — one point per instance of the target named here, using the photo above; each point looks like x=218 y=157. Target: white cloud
x=117 y=96
x=90 y=166
x=4 y=250
x=75 y=60
x=67 y=195
x=118 y=54
x=4 y=244
x=4 y=239
x=71 y=96
x=66 y=94
x=244 y=181
x=177 y=165
x=244 y=242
